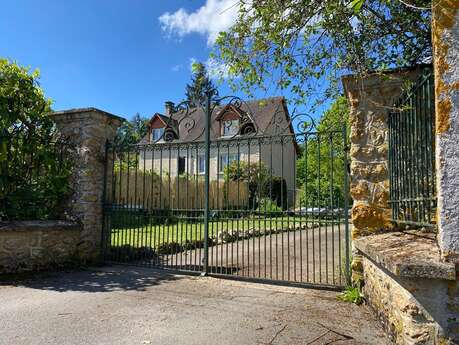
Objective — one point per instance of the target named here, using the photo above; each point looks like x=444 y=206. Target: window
x=201 y=167
x=157 y=133
x=230 y=127
x=226 y=159
x=181 y=165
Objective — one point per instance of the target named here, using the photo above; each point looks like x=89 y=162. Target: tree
x=302 y=45
x=254 y=174
x=131 y=132
x=34 y=165
x=200 y=86
x=320 y=169
x=127 y=136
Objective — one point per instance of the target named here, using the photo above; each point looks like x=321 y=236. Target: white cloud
x=177 y=68
x=215 y=69
x=209 y=20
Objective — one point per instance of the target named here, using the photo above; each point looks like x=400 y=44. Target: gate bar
x=206 y=184
x=346 y=205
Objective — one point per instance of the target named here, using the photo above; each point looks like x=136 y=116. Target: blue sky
x=116 y=55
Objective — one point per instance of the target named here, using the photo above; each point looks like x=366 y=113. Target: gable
x=157 y=122
x=228 y=113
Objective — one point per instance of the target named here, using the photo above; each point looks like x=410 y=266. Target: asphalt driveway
x=124 y=305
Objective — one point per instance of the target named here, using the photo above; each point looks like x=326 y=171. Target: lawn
x=147 y=232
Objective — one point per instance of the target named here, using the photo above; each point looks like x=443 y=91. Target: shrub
x=169 y=248
x=275 y=188
x=35 y=166
x=255 y=174
x=129 y=253
x=269 y=206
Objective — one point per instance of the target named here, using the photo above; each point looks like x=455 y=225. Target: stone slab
x=410 y=254
x=86 y=110
x=39 y=225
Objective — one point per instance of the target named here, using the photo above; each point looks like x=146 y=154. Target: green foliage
x=352 y=294
x=200 y=85
x=131 y=132
x=254 y=174
x=34 y=162
x=126 y=253
x=266 y=205
x=320 y=169
x=275 y=188
x=300 y=45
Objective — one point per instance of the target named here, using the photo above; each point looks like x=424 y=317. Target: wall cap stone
x=39 y=225
x=87 y=110
x=409 y=254
x=391 y=78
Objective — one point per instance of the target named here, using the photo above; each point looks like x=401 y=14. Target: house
x=256 y=132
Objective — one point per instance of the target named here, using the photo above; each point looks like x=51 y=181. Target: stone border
x=39 y=225
x=39 y=245
x=409 y=254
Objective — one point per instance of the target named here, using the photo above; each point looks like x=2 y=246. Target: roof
x=270 y=116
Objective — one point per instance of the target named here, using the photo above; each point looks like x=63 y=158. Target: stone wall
x=396 y=302
x=34 y=245
x=412 y=291
x=88 y=129
x=370 y=100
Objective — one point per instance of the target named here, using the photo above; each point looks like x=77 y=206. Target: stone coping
x=38 y=225
x=411 y=254
x=86 y=110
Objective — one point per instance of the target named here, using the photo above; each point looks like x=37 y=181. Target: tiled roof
x=269 y=115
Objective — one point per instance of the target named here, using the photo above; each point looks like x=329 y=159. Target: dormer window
x=157 y=133
x=230 y=127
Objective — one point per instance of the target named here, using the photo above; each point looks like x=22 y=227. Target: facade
x=254 y=133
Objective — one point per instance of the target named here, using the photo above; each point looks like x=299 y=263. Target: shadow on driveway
x=93 y=280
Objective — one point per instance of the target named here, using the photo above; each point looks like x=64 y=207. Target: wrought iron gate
x=412 y=155
x=244 y=197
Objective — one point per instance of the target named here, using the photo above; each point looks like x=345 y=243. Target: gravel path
x=309 y=256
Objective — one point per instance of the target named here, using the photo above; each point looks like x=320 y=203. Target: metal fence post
x=206 y=184
x=103 y=233
x=346 y=206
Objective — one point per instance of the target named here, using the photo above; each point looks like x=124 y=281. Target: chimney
x=169 y=107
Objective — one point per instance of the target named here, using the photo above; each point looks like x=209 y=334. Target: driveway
x=309 y=256
x=123 y=305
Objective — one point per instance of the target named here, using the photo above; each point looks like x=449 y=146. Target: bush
x=255 y=174
x=275 y=188
x=169 y=248
x=269 y=206
x=35 y=166
x=196 y=244
x=129 y=253
x=126 y=218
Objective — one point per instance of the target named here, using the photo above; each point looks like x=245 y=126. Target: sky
x=121 y=56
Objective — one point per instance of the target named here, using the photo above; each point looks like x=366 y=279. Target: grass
x=352 y=294
x=147 y=233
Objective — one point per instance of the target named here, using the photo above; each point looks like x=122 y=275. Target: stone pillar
x=445 y=39
x=88 y=129
x=370 y=101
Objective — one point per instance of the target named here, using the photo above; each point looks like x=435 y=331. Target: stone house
x=256 y=132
